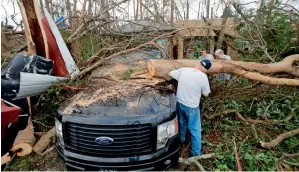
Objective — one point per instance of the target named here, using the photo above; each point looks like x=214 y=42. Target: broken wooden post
x=180 y=47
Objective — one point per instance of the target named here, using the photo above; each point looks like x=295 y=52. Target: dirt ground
x=33 y=162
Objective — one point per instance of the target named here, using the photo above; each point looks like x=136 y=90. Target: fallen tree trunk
x=44 y=141
x=161 y=68
x=284 y=66
x=24 y=141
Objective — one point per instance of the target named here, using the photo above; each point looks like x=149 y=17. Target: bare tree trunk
x=208 y=8
x=47 y=6
x=134 y=9
x=83 y=10
x=69 y=12
x=75 y=19
x=137 y=7
x=141 y=12
x=90 y=2
x=155 y=15
x=221 y=34
x=171 y=12
x=75 y=8
x=41 y=6
x=259 y=15
x=198 y=12
x=270 y=8
x=3 y=43
x=187 y=10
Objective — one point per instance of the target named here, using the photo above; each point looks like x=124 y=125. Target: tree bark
x=24 y=141
x=208 y=8
x=3 y=43
x=29 y=40
x=36 y=29
x=279 y=138
x=137 y=7
x=187 y=15
x=270 y=8
x=44 y=141
x=141 y=12
x=69 y=12
x=221 y=34
x=161 y=68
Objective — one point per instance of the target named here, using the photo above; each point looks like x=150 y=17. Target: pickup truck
x=118 y=124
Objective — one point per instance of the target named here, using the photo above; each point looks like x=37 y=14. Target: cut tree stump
x=44 y=141
x=24 y=141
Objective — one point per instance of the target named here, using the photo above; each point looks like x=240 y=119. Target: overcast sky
x=12 y=8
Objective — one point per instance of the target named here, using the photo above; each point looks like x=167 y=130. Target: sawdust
x=108 y=83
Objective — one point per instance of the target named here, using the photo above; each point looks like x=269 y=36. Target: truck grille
x=129 y=140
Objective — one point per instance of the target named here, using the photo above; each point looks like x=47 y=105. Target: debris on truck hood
x=113 y=82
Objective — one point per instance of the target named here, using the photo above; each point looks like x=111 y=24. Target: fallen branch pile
x=195 y=159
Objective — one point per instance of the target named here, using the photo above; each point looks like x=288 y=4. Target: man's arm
x=206 y=95
x=205 y=91
x=175 y=74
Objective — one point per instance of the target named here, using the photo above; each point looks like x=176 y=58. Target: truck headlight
x=59 y=133
x=166 y=131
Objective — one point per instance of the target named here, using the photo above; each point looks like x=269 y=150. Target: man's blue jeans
x=190 y=117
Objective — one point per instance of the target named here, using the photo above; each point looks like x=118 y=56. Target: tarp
x=61 y=25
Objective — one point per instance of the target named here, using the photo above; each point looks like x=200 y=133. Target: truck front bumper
x=160 y=160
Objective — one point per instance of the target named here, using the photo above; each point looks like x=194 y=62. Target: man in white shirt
x=192 y=83
x=220 y=55
x=204 y=55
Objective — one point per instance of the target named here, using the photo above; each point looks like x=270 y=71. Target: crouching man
x=192 y=83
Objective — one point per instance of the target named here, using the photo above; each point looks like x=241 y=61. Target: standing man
x=204 y=55
x=219 y=54
x=192 y=83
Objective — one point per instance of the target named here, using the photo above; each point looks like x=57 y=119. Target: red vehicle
x=13 y=119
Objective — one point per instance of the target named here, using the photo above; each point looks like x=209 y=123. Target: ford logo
x=104 y=140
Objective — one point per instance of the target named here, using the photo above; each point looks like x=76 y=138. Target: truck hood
x=141 y=103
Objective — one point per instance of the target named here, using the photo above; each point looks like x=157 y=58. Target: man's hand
x=206 y=95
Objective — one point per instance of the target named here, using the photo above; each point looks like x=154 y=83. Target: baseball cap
x=206 y=63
